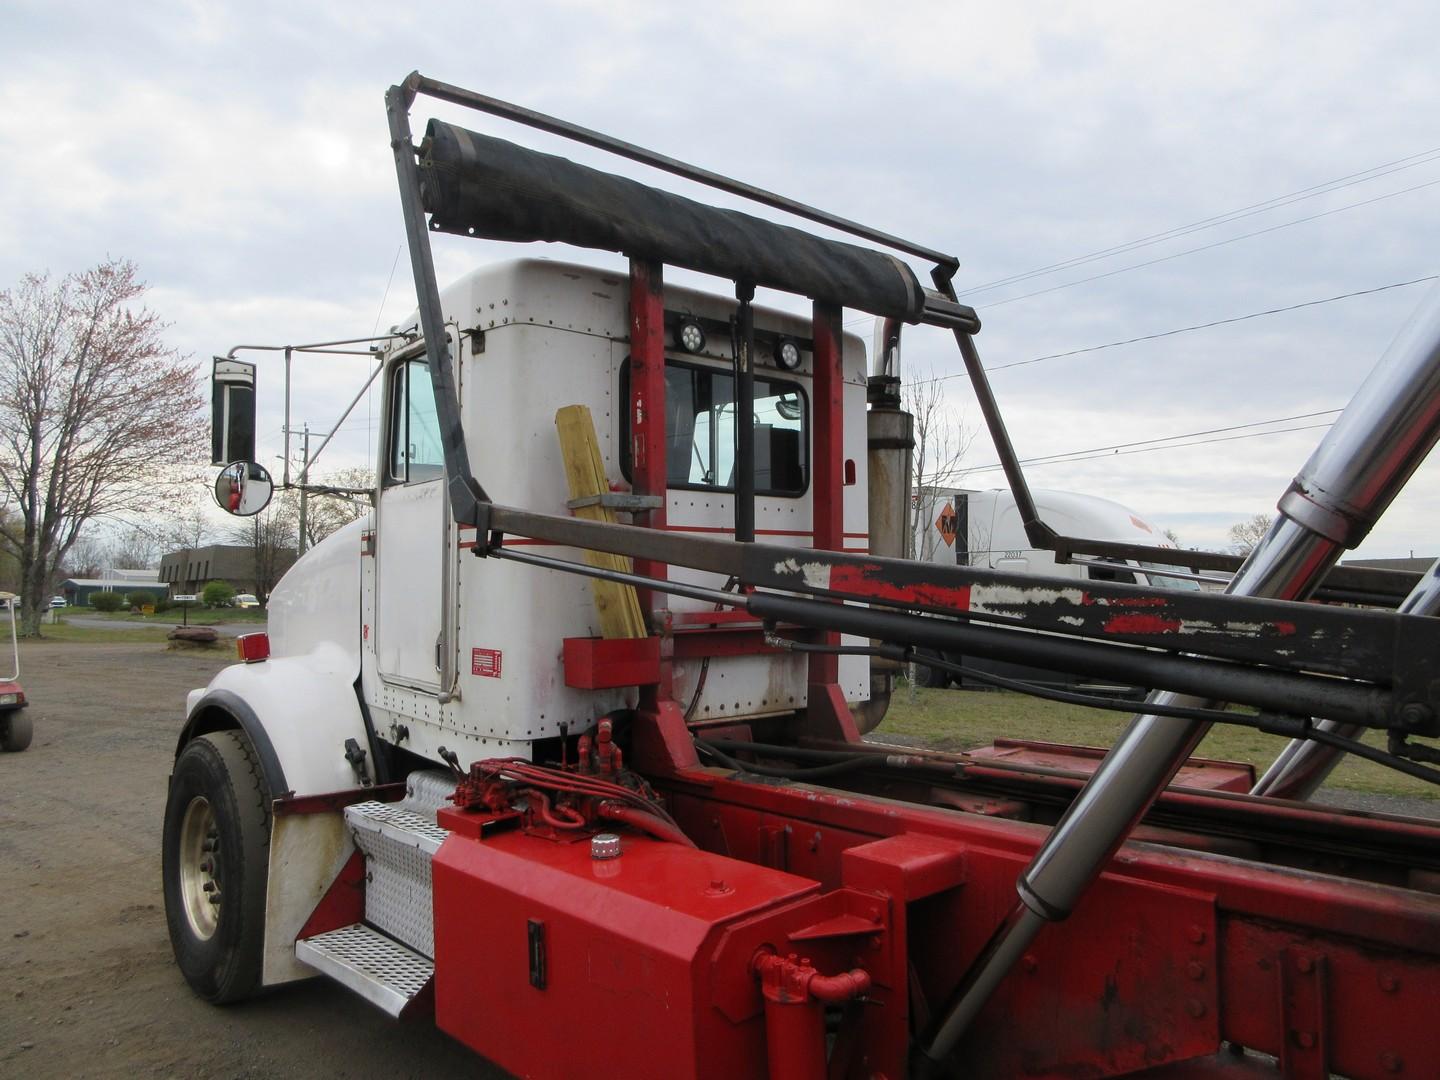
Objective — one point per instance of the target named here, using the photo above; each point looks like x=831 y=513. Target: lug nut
x=209 y=886
x=214 y=898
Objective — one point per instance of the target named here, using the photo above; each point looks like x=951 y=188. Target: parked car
x=246 y=599
x=57 y=601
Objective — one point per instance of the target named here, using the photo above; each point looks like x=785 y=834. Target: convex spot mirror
x=243 y=488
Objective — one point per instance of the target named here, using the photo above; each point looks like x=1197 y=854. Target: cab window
x=700 y=431
x=416 y=454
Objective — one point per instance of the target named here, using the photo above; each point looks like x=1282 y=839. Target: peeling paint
x=992 y=598
x=815 y=575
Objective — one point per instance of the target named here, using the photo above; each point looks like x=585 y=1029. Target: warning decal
x=485 y=662
x=947 y=525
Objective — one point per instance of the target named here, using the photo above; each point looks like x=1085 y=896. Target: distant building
x=188 y=571
x=77 y=591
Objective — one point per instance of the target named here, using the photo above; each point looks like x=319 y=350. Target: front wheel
x=215 y=860
x=15 y=731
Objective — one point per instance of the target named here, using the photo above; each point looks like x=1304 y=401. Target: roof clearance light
x=690 y=336
x=787 y=354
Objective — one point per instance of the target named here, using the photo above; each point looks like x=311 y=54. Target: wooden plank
x=616 y=604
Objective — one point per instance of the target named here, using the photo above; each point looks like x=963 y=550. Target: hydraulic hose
x=646 y=822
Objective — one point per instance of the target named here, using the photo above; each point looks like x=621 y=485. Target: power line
x=1314 y=191
x=1183 y=329
x=1090 y=456
x=1211 y=246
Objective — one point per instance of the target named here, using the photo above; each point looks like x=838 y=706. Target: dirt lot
x=89 y=986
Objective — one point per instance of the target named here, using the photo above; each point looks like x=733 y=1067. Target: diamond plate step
x=379 y=969
x=398 y=841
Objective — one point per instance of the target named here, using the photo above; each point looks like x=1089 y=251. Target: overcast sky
x=238 y=154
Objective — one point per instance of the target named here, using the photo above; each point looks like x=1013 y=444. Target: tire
x=929 y=677
x=217 y=843
x=15 y=731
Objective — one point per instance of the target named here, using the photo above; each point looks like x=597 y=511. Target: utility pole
x=304 y=497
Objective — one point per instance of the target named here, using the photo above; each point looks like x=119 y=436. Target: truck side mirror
x=243 y=488
x=232 y=411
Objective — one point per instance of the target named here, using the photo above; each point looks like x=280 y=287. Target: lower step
x=376 y=967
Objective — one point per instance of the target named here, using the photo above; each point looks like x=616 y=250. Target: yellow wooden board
x=617 y=605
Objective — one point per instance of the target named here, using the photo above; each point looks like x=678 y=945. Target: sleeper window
x=700 y=431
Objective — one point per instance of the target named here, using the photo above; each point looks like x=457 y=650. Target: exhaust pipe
x=1353 y=475
x=891 y=440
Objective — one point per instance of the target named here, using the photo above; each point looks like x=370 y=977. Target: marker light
x=787 y=354
x=253 y=648
x=690 y=336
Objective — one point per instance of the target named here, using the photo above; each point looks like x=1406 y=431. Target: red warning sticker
x=485 y=662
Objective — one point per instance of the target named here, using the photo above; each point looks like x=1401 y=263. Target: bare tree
x=9 y=562
x=135 y=547
x=941 y=443
x=1245 y=535
x=187 y=530
x=326 y=513
x=86 y=558
x=1173 y=537
x=271 y=535
x=97 y=415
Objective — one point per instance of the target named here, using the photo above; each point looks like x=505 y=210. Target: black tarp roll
x=475 y=185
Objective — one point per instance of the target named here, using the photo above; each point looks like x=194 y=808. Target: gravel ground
x=90 y=986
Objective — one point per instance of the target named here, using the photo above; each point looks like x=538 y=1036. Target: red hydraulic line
x=645 y=822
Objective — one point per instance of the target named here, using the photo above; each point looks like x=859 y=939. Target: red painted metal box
x=555 y=964
x=605 y=663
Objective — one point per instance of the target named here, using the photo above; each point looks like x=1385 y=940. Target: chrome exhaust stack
x=891 y=440
x=1362 y=463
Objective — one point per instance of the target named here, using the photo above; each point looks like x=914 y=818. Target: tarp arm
x=416 y=84
x=468 y=501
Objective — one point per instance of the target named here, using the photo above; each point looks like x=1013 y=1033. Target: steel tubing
x=1303 y=765
x=1355 y=472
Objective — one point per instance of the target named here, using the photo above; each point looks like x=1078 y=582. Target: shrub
x=164 y=604
x=140 y=598
x=217 y=594
x=107 y=601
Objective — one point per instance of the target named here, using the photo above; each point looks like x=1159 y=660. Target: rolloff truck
x=560 y=747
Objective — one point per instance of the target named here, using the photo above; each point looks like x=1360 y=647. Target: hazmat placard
x=947 y=525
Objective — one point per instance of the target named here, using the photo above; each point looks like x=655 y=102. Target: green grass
x=963 y=719
x=175 y=616
x=99 y=635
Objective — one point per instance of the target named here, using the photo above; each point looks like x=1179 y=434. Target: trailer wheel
x=15 y=731
x=215 y=862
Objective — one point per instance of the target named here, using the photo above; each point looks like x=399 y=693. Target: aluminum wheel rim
x=199 y=887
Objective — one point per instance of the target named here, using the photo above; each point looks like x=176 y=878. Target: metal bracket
x=1304 y=1008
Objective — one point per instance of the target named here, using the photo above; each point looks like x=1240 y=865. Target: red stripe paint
x=1141 y=623
x=863 y=581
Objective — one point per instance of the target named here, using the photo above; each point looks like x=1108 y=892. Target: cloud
x=240 y=156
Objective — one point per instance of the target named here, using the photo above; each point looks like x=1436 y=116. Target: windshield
x=1178 y=584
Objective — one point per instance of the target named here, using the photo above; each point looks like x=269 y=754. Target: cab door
x=413 y=536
